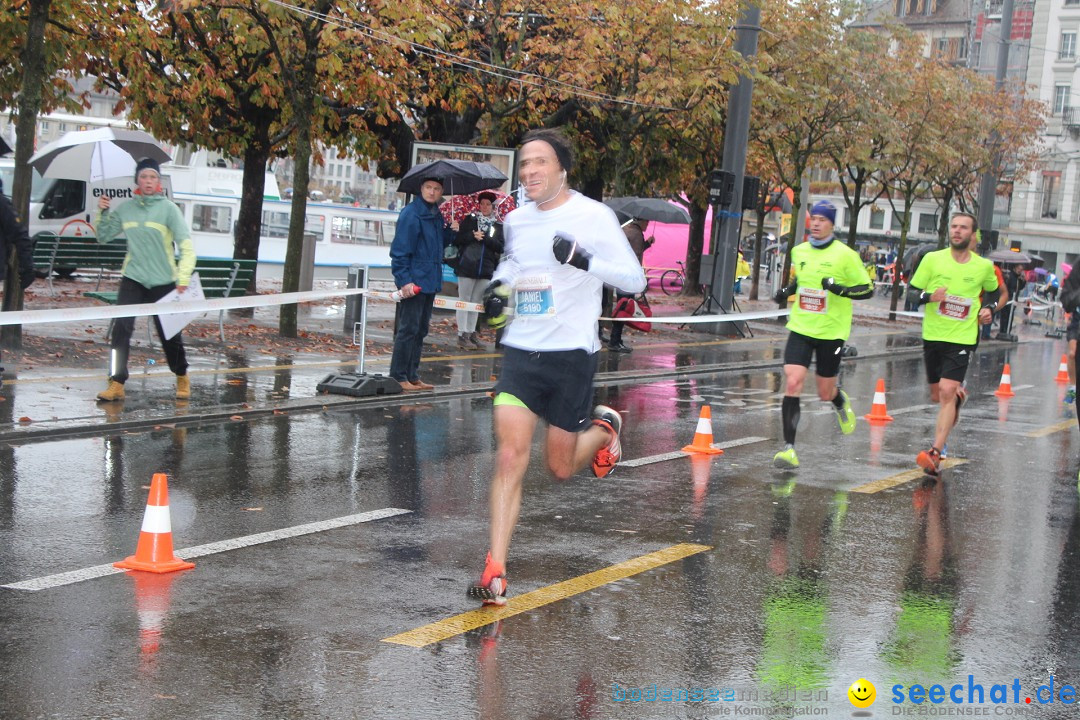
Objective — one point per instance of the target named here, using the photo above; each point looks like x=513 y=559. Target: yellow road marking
x=901 y=478
x=458 y=624
x=1051 y=429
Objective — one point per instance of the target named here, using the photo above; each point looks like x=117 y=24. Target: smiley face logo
x=862 y=693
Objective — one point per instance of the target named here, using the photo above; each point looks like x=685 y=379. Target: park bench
x=221 y=278
x=63 y=254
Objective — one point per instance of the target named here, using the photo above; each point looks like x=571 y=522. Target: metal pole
x=363 y=316
x=988 y=180
x=727 y=222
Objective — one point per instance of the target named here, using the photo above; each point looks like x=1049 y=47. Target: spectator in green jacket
x=155 y=231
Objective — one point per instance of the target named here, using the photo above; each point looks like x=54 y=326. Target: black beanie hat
x=147 y=163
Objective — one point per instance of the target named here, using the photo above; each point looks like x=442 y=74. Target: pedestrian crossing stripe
x=459 y=624
x=901 y=478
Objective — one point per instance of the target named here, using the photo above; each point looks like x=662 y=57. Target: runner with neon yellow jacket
x=949 y=282
x=827 y=276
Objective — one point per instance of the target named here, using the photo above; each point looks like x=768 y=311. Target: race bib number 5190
x=534 y=297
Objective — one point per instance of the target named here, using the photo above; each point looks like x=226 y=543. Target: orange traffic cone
x=703 y=436
x=1063 y=371
x=878 y=414
x=1005 y=389
x=155 y=550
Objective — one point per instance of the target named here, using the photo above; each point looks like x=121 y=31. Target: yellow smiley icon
x=862 y=693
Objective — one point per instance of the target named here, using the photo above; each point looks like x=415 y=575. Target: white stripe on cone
x=704 y=426
x=156 y=520
x=879 y=398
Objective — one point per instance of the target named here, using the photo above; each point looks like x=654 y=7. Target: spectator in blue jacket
x=416 y=258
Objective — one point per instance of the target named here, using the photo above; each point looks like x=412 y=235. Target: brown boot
x=115 y=391
x=183 y=387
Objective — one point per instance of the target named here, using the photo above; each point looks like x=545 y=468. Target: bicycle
x=671 y=282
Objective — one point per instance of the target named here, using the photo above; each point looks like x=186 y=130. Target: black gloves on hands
x=495 y=299
x=568 y=252
x=26 y=278
x=781 y=296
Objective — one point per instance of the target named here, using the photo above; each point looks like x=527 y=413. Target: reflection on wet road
x=797 y=584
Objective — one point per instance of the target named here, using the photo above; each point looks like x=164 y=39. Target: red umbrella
x=458 y=207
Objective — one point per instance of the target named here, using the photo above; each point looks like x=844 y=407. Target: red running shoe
x=608 y=456
x=930 y=461
x=491 y=590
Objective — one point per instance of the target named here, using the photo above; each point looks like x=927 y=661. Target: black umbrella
x=914 y=256
x=4 y=148
x=459 y=177
x=655 y=209
x=1009 y=257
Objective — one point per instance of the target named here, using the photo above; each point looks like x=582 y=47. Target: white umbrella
x=96 y=154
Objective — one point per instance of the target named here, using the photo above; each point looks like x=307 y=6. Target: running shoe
x=491 y=590
x=930 y=461
x=608 y=456
x=845 y=415
x=1070 y=396
x=786 y=458
x=945 y=451
x=961 y=400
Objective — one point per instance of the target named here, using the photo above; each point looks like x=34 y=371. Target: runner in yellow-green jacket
x=828 y=275
x=949 y=282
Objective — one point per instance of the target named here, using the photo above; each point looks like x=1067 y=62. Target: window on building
x=1067 y=49
x=897 y=222
x=1072 y=2
x=44 y=126
x=976 y=53
x=1062 y=91
x=927 y=223
x=877 y=219
x=1050 y=187
x=211 y=218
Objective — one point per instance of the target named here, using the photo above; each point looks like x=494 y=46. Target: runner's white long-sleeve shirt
x=557 y=306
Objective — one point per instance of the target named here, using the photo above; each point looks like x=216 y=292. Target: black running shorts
x=800 y=348
x=946 y=360
x=1072 y=332
x=557 y=385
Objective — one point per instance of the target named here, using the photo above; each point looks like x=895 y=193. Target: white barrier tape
x=108 y=312
x=695 y=319
x=442 y=301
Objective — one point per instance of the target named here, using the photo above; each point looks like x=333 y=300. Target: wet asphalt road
x=804 y=584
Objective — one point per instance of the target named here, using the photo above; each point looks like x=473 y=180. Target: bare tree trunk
x=249 y=220
x=29 y=104
x=694 y=248
x=853 y=226
x=909 y=200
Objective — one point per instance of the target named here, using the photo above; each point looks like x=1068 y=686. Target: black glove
x=834 y=287
x=26 y=278
x=495 y=299
x=568 y=253
x=784 y=293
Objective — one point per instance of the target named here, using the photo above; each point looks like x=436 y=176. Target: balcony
x=1070 y=119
